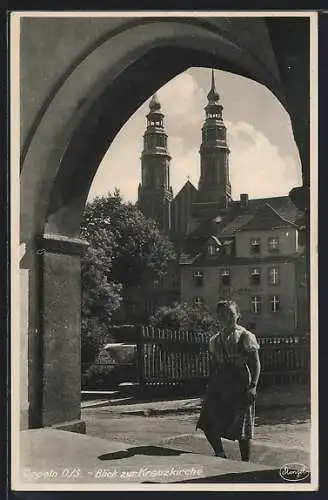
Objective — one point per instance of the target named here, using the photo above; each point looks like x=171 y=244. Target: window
x=274 y=276
x=275 y=303
x=273 y=244
x=225 y=277
x=255 y=276
x=256 y=304
x=255 y=245
x=198 y=278
x=211 y=249
x=198 y=301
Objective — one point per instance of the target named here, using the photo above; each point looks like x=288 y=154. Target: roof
x=236 y=224
x=188 y=185
x=281 y=204
x=266 y=217
x=187 y=259
x=206 y=228
x=217 y=241
x=260 y=214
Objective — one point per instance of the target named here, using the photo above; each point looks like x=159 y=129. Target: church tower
x=154 y=192
x=214 y=189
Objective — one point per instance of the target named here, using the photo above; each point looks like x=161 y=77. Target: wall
x=282 y=322
x=287 y=242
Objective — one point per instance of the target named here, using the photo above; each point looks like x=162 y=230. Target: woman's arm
x=253 y=361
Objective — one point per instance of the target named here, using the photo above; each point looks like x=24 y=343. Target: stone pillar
x=60 y=328
x=23 y=348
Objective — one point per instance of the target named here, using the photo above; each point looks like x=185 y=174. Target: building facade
x=257 y=263
x=248 y=250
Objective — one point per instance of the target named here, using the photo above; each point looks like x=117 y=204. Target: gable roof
x=283 y=205
x=215 y=239
x=188 y=186
x=266 y=217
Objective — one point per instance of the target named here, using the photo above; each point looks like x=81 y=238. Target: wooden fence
x=173 y=359
x=177 y=358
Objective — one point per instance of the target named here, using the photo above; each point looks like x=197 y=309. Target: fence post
x=140 y=359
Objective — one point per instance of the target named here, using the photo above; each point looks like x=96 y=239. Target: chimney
x=244 y=200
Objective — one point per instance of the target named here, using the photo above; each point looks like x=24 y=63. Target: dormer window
x=198 y=278
x=211 y=249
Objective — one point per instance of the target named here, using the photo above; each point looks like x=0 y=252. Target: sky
x=264 y=159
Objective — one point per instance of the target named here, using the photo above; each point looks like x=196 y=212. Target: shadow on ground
x=141 y=450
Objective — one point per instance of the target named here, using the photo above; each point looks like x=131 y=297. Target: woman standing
x=229 y=405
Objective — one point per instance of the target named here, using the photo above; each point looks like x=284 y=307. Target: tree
x=100 y=298
x=136 y=247
x=186 y=316
x=125 y=248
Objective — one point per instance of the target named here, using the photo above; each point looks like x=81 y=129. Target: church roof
x=187 y=186
x=154 y=104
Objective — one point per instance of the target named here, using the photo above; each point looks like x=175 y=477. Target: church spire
x=214 y=190
x=213 y=108
x=154 y=104
x=155 y=117
x=213 y=95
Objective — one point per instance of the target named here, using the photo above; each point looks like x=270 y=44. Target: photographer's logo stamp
x=294 y=472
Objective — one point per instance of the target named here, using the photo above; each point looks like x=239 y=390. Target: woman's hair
x=231 y=305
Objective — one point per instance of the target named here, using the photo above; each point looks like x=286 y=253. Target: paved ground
x=282 y=435
x=132 y=437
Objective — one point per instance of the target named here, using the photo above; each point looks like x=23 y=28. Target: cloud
x=256 y=163
x=182 y=103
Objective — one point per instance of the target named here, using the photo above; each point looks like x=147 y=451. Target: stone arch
x=81 y=114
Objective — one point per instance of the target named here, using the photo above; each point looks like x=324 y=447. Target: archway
x=81 y=114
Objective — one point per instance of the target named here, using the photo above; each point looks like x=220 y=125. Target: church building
x=249 y=250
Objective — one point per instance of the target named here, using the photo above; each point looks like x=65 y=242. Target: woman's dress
x=227 y=410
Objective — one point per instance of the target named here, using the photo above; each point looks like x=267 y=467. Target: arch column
x=60 y=343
